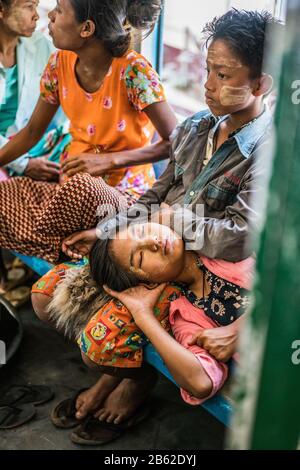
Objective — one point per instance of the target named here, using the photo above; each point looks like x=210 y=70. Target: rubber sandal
x=93 y=432
x=63 y=415
x=12 y=417
x=19 y=296
x=18 y=263
x=16 y=395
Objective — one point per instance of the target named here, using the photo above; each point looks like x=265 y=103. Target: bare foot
x=126 y=398
x=90 y=400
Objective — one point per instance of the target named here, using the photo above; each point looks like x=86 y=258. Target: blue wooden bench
x=218 y=406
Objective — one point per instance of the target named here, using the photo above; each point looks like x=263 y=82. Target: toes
x=99 y=413
x=103 y=416
x=79 y=403
x=83 y=410
x=118 y=419
x=80 y=415
x=111 y=418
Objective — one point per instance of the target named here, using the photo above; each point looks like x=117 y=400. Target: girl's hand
x=79 y=244
x=95 y=165
x=140 y=300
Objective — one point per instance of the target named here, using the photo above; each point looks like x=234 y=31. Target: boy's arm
x=228 y=238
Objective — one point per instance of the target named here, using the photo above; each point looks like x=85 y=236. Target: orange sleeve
x=143 y=84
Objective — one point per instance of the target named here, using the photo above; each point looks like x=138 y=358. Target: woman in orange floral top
x=114 y=100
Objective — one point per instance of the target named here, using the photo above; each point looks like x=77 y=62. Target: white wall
x=194 y=14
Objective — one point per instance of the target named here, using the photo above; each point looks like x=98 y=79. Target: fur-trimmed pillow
x=76 y=299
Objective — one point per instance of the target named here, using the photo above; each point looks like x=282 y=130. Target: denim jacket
x=32 y=57
x=214 y=205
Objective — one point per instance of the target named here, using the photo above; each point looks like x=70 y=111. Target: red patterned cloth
x=36 y=216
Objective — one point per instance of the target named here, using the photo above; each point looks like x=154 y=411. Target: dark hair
x=7 y=3
x=245 y=32
x=106 y=271
x=115 y=18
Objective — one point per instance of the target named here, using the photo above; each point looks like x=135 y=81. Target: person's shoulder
x=66 y=56
x=133 y=58
x=196 y=119
x=190 y=125
x=62 y=59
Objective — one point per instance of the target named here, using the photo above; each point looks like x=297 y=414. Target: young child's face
x=229 y=86
x=152 y=252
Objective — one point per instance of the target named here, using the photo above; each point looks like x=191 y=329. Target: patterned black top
x=226 y=301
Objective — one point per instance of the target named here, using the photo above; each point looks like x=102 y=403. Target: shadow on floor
x=46 y=358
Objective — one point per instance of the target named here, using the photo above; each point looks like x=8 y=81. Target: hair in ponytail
x=144 y=14
x=114 y=20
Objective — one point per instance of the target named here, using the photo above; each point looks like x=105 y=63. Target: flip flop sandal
x=16 y=395
x=17 y=263
x=12 y=417
x=19 y=296
x=63 y=415
x=93 y=432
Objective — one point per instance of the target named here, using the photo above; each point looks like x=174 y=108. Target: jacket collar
x=247 y=136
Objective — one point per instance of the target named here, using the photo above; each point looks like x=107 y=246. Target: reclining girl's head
x=110 y=21
x=19 y=17
x=235 y=60
x=147 y=252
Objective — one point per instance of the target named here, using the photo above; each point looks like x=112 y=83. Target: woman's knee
x=40 y=304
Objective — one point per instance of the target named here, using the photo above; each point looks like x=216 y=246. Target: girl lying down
x=163 y=281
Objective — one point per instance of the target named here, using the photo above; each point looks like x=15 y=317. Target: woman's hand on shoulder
x=140 y=300
x=94 y=164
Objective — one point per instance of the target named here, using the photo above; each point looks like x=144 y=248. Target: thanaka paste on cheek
x=139 y=272
x=234 y=96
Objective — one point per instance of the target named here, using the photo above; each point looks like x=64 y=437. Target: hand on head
x=79 y=244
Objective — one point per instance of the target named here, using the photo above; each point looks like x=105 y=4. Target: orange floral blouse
x=112 y=118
